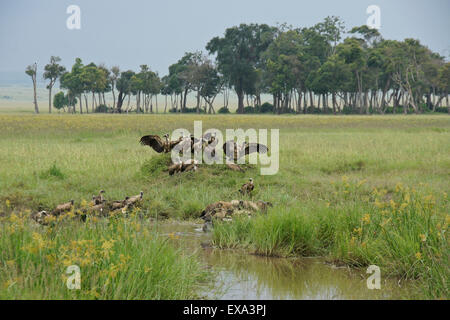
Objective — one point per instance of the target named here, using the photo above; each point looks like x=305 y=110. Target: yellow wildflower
x=360 y=183
x=418 y=256
x=403 y=205
x=392 y=203
x=423 y=237
x=13 y=218
x=366 y=218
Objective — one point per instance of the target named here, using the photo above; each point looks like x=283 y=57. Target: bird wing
x=255 y=147
x=153 y=141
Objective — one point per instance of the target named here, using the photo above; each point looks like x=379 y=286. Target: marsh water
x=240 y=275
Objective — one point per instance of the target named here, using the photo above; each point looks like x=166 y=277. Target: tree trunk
x=240 y=95
x=36 y=108
x=50 y=97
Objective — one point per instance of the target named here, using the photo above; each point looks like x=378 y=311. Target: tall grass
x=119 y=259
x=402 y=231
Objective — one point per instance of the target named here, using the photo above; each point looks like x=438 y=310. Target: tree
x=283 y=68
x=123 y=84
x=114 y=75
x=52 y=72
x=60 y=101
x=73 y=82
x=444 y=82
x=31 y=70
x=211 y=84
x=238 y=54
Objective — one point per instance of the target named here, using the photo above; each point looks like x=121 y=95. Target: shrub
x=249 y=109
x=266 y=107
x=441 y=110
x=102 y=108
x=223 y=110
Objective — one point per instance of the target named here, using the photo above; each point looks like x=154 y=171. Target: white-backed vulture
x=248 y=187
x=61 y=208
x=234 y=167
x=98 y=199
x=39 y=217
x=118 y=204
x=132 y=200
x=234 y=152
x=183 y=166
x=158 y=144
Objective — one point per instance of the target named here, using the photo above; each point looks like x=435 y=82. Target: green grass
x=402 y=231
x=50 y=159
x=118 y=259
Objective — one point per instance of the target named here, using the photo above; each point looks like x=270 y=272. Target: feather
x=153 y=141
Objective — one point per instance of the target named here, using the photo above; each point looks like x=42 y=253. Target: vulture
x=234 y=152
x=234 y=167
x=256 y=206
x=175 y=168
x=118 y=204
x=98 y=207
x=64 y=207
x=207 y=140
x=183 y=167
x=158 y=144
x=132 y=200
x=189 y=166
x=218 y=210
x=39 y=217
x=98 y=199
x=248 y=187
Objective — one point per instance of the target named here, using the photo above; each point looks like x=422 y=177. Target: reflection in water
x=240 y=275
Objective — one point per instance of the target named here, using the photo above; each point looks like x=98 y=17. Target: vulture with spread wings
x=234 y=152
x=158 y=144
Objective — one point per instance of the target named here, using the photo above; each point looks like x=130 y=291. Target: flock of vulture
x=99 y=206
x=207 y=142
x=222 y=210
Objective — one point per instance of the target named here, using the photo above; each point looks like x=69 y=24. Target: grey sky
x=132 y=32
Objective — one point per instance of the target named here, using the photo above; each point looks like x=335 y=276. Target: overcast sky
x=133 y=32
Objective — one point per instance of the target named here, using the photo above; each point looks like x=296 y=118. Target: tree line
x=305 y=70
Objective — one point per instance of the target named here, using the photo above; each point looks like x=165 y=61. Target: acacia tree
x=238 y=54
x=31 y=70
x=211 y=84
x=52 y=72
x=73 y=82
x=123 y=84
x=114 y=75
